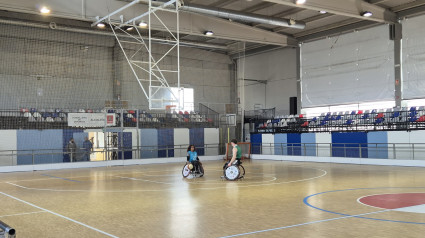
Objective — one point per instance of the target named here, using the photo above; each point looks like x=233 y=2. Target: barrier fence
x=50 y=156
x=399 y=151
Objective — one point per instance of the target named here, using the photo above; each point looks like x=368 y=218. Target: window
x=186 y=99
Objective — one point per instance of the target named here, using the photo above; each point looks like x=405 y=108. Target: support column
x=299 y=77
x=117 y=72
x=396 y=35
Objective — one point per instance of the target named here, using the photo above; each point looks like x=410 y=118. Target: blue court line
x=61 y=178
x=303 y=224
x=353 y=189
x=305 y=200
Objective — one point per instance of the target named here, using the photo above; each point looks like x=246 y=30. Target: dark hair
x=234 y=141
x=190 y=146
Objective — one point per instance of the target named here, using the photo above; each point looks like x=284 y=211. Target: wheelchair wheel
x=242 y=171
x=201 y=168
x=185 y=171
x=232 y=173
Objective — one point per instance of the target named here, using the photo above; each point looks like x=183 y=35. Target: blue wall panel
x=27 y=140
x=149 y=143
x=256 y=140
x=307 y=148
x=280 y=141
x=377 y=150
x=67 y=134
x=41 y=142
x=127 y=144
x=196 y=137
x=347 y=144
x=165 y=142
x=294 y=144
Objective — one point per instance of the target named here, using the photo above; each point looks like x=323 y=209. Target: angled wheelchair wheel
x=201 y=168
x=232 y=173
x=242 y=174
x=185 y=171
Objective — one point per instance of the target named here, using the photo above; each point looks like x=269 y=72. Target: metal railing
x=399 y=151
x=52 y=156
x=367 y=121
x=56 y=119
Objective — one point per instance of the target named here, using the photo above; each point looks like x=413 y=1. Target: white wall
x=279 y=69
x=181 y=137
x=8 y=140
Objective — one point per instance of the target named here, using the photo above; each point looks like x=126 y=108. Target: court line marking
x=59 y=215
x=303 y=224
x=168 y=189
x=71 y=180
x=19 y=214
x=137 y=179
x=129 y=170
x=305 y=200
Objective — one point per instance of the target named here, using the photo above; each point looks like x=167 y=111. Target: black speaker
x=293 y=105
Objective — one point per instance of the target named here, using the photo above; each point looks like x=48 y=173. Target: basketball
x=190 y=166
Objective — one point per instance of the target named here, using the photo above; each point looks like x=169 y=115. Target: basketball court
x=276 y=199
x=106 y=106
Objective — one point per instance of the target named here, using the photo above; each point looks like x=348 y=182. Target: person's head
x=191 y=148
x=71 y=140
x=234 y=142
x=86 y=138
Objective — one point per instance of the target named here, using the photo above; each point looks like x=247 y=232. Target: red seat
x=380 y=115
x=421 y=119
x=305 y=124
x=301 y=116
x=360 y=112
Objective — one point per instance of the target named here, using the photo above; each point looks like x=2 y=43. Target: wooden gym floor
x=276 y=199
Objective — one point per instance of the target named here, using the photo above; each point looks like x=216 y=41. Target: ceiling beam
x=283 y=14
x=412 y=12
x=409 y=5
x=258 y=7
x=377 y=1
x=336 y=30
x=306 y=20
x=190 y=23
x=348 y=8
x=222 y=3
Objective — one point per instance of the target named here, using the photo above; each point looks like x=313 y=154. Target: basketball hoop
x=169 y=108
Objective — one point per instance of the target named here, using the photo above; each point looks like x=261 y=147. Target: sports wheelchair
x=195 y=172
x=233 y=172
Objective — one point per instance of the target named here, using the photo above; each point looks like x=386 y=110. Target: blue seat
x=395 y=114
x=349 y=122
x=379 y=121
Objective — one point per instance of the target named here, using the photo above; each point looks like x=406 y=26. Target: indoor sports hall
x=212 y=118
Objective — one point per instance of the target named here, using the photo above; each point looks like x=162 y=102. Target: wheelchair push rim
x=185 y=171
x=232 y=173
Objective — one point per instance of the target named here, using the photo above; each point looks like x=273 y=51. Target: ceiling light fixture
x=143 y=24
x=101 y=25
x=45 y=10
x=300 y=1
x=366 y=14
x=208 y=33
x=323 y=12
x=130 y=28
